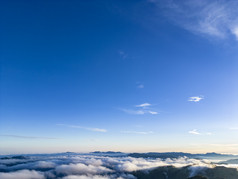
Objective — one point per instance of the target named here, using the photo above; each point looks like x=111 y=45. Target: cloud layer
x=84 y=166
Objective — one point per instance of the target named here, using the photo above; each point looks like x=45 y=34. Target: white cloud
x=81 y=169
x=212 y=18
x=86 y=128
x=139 y=112
x=133 y=164
x=152 y=112
x=123 y=176
x=195 y=98
x=143 y=105
x=85 y=166
x=96 y=129
x=235 y=32
x=140 y=109
x=194 y=132
x=21 y=164
x=137 y=132
x=22 y=174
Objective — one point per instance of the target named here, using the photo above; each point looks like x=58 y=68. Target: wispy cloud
x=141 y=109
x=140 y=85
x=153 y=112
x=86 y=128
x=212 y=18
x=138 y=132
x=26 y=137
x=234 y=128
x=196 y=132
x=131 y=111
x=195 y=98
x=143 y=105
x=122 y=54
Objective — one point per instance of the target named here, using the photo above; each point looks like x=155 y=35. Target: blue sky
x=145 y=75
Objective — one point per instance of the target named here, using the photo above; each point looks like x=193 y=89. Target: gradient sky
x=131 y=76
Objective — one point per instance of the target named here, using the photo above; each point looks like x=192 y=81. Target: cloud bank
x=84 y=166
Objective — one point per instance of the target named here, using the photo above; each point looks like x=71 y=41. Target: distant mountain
x=214 y=155
x=160 y=155
x=232 y=161
x=164 y=155
x=181 y=154
x=109 y=153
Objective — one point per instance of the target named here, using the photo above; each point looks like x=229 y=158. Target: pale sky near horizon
x=131 y=76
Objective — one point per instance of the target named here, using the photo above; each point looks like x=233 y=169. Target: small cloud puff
x=195 y=98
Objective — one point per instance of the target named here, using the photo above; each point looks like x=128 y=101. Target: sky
x=130 y=76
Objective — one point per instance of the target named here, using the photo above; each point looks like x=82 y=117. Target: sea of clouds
x=85 y=166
